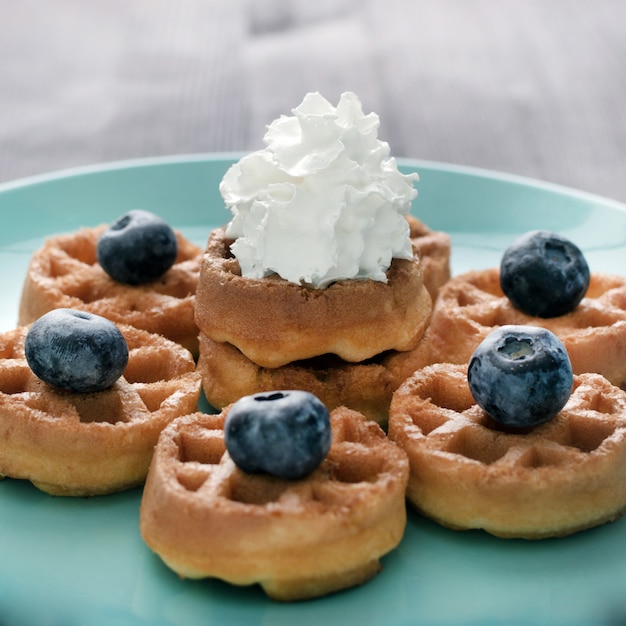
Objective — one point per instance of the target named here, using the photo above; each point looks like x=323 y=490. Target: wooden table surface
x=532 y=87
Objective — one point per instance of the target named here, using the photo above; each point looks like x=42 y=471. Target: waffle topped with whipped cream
x=320 y=250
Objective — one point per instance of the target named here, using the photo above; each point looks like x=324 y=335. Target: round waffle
x=467 y=472
x=274 y=322
x=367 y=387
x=65 y=273
x=471 y=305
x=433 y=248
x=298 y=539
x=81 y=444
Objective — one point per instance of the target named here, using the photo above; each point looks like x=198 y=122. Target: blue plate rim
x=403 y=162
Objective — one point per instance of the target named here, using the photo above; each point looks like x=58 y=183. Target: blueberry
x=137 y=248
x=520 y=375
x=283 y=433
x=76 y=351
x=544 y=274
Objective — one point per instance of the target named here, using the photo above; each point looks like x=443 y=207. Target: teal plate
x=68 y=562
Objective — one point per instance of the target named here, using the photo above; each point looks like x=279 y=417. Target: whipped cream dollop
x=323 y=201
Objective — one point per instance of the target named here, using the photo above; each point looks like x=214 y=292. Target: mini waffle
x=65 y=273
x=94 y=443
x=433 y=248
x=471 y=305
x=274 y=322
x=367 y=387
x=467 y=472
x=298 y=539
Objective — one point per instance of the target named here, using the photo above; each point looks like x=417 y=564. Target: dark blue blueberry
x=137 y=248
x=520 y=375
x=544 y=274
x=76 y=351
x=283 y=433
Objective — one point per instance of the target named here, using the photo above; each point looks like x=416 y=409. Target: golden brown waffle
x=65 y=272
x=467 y=472
x=95 y=443
x=433 y=248
x=275 y=322
x=298 y=539
x=471 y=305
x=367 y=387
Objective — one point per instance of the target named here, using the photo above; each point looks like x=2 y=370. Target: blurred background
x=530 y=87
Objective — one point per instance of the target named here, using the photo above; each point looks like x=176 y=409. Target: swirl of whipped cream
x=323 y=201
